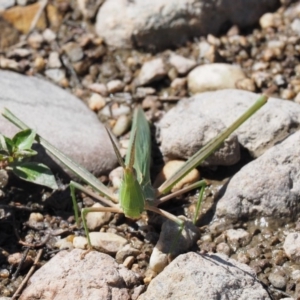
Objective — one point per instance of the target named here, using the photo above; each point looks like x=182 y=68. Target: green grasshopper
x=136 y=192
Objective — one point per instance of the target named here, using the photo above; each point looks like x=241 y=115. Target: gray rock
x=171 y=244
x=183 y=133
x=67 y=276
x=125 y=252
x=115 y=86
x=54 y=60
x=266 y=187
x=95 y=220
x=157 y=23
x=152 y=70
x=237 y=238
x=4 y=4
x=271 y=124
x=181 y=64
x=278 y=279
x=60 y=118
x=74 y=51
x=107 y=242
x=296 y=26
x=211 y=77
x=291 y=246
x=194 y=276
x=57 y=75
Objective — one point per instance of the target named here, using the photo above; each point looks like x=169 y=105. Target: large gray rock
x=183 y=133
x=266 y=187
x=59 y=117
x=271 y=124
x=67 y=276
x=163 y=23
x=193 y=276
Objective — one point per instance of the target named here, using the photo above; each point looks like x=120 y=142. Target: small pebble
x=115 y=86
x=169 y=169
x=128 y=262
x=122 y=125
x=278 y=280
x=223 y=248
x=96 y=102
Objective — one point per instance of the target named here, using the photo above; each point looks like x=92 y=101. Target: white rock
x=193 y=276
x=296 y=26
x=115 y=111
x=74 y=51
x=97 y=219
x=115 y=86
x=151 y=71
x=181 y=64
x=36 y=217
x=107 y=242
x=23 y=2
x=266 y=20
x=4 y=4
x=80 y=242
x=183 y=132
x=212 y=77
x=96 y=102
x=291 y=246
x=116 y=176
x=69 y=276
x=49 y=35
x=57 y=75
x=274 y=122
x=237 y=238
x=64 y=244
x=99 y=88
x=122 y=125
x=54 y=60
x=35 y=40
x=178 y=83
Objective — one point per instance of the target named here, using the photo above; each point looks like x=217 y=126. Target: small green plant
x=15 y=154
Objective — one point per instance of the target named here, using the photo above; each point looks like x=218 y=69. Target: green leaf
x=24 y=139
x=36 y=173
x=25 y=153
x=6 y=145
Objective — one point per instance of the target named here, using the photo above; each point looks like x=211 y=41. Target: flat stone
x=60 y=118
x=193 y=276
x=107 y=242
x=68 y=276
x=268 y=187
